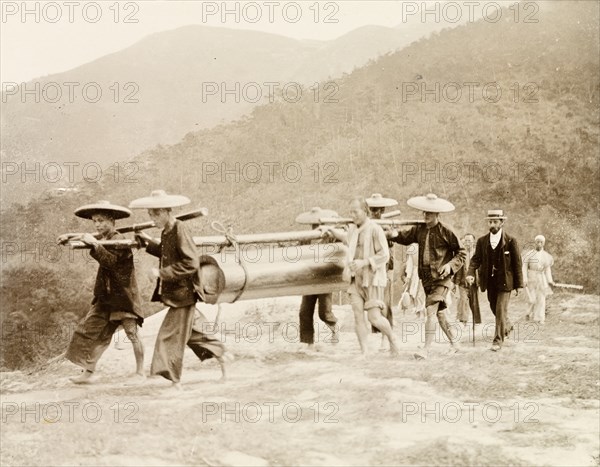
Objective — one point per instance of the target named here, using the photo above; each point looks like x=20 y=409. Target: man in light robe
x=368 y=255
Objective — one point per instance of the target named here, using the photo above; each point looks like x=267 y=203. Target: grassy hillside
x=158 y=89
x=537 y=160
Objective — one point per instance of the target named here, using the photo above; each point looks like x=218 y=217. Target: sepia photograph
x=300 y=233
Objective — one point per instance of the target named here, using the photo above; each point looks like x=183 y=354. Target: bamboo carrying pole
x=200 y=212
x=383 y=222
x=282 y=271
x=387 y=215
x=220 y=241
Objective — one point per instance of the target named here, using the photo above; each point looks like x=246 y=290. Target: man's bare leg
x=130 y=327
x=382 y=347
x=381 y=323
x=360 y=323
x=335 y=335
x=119 y=344
x=430 y=323
x=223 y=369
x=442 y=319
x=223 y=360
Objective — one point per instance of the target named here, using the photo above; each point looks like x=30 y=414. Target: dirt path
x=283 y=406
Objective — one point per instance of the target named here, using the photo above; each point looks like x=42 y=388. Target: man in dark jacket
x=497 y=259
x=116 y=296
x=175 y=287
x=441 y=255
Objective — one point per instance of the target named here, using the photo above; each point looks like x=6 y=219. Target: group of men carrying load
x=496 y=261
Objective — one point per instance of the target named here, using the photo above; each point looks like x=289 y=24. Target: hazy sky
x=56 y=36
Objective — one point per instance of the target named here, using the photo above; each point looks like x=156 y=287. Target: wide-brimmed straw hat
x=312 y=217
x=378 y=201
x=103 y=207
x=430 y=203
x=496 y=214
x=159 y=199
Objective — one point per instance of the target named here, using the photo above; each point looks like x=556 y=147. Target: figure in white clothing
x=413 y=297
x=537 y=276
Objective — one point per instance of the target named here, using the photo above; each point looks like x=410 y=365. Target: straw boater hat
x=159 y=199
x=430 y=203
x=496 y=214
x=312 y=217
x=102 y=207
x=378 y=201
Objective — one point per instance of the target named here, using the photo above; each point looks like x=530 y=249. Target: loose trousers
x=182 y=327
x=91 y=338
x=307 y=311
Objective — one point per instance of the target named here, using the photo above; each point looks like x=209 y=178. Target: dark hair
x=106 y=214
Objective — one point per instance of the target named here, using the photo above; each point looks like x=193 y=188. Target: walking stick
x=392 y=291
x=568 y=286
x=472 y=296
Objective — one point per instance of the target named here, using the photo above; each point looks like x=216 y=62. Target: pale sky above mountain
x=52 y=37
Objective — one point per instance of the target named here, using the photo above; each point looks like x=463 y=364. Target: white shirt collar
x=495 y=238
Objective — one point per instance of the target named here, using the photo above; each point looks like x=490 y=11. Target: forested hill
x=163 y=86
x=533 y=153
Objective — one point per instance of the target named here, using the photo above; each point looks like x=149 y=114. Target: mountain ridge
x=159 y=88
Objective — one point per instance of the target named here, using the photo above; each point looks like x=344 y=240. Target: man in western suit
x=497 y=258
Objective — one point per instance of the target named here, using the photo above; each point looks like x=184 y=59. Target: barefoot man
x=176 y=287
x=441 y=255
x=116 y=296
x=368 y=255
x=377 y=204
